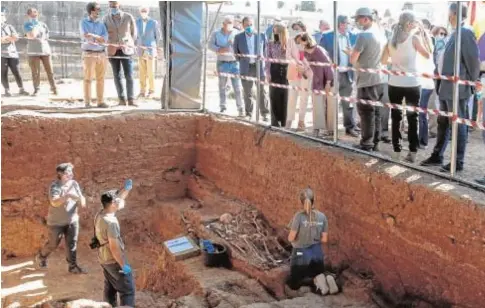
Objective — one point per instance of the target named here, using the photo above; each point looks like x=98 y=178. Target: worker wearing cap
x=221 y=42
x=308 y=232
x=118 y=277
x=62 y=219
x=366 y=54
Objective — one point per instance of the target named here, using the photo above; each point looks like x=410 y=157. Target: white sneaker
x=321 y=284
x=411 y=157
x=332 y=285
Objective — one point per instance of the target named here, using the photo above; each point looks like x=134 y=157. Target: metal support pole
x=204 y=55
x=258 y=61
x=336 y=75
x=454 y=125
x=168 y=27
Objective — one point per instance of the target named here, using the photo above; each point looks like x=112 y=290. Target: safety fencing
x=453 y=79
x=454 y=118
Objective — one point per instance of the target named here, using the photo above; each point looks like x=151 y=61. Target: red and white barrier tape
x=284 y=61
x=453 y=117
x=82 y=55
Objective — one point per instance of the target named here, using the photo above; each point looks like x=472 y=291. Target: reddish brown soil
x=411 y=240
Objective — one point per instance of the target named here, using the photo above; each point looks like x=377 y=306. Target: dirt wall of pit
x=156 y=151
x=416 y=242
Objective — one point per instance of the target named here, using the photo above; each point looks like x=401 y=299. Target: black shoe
x=359 y=147
x=7 y=94
x=432 y=135
x=432 y=161
x=77 y=270
x=223 y=109
x=40 y=262
x=447 y=168
x=385 y=139
x=351 y=132
x=249 y=115
x=23 y=92
x=122 y=102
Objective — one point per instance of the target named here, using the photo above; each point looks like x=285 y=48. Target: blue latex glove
x=128 y=184
x=126 y=269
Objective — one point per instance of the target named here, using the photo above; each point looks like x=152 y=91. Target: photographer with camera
x=64 y=195
x=107 y=239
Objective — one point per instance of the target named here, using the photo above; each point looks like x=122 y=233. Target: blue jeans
x=305 y=263
x=423 y=117
x=230 y=68
x=127 y=65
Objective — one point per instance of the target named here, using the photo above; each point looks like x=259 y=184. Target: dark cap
x=64 y=167
x=364 y=12
x=342 y=19
x=4 y=10
x=454 y=9
x=108 y=196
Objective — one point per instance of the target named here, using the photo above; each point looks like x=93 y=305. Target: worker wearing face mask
x=122 y=34
x=118 y=277
x=247 y=43
x=148 y=36
x=38 y=50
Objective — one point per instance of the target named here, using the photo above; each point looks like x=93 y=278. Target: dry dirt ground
x=160 y=282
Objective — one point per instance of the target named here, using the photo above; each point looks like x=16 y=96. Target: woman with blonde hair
x=296 y=78
x=323 y=105
x=276 y=73
x=403 y=49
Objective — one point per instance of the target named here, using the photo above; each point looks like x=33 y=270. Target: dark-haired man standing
x=94 y=34
x=118 y=278
x=63 y=219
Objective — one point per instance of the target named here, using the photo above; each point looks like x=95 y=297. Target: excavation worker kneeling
x=118 y=278
x=308 y=232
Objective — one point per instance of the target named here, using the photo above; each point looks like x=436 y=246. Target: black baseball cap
x=64 y=167
x=108 y=196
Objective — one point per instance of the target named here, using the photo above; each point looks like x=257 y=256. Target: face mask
x=144 y=15
x=121 y=203
x=294 y=33
x=249 y=29
x=301 y=48
x=114 y=11
x=277 y=37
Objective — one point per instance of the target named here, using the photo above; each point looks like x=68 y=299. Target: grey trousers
x=370 y=119
x=248 y=94
x=345 y=89
x=115 y=282
x=70 y=233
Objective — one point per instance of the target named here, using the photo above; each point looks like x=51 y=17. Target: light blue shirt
x=343 y=41
x=219 y=39
x=252 y=51
x=96 y=27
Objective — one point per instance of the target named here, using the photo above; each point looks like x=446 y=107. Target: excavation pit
x=397 y=237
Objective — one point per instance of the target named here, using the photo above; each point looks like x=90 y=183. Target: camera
x=95 y=244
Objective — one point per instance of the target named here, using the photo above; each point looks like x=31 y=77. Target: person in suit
x=323 y=28
x=148 y=36
x=346 y=40
x=246 y=43
x=469 y=70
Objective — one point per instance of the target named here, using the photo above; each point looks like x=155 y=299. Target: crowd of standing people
x=117 y=38
x=410 y=45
